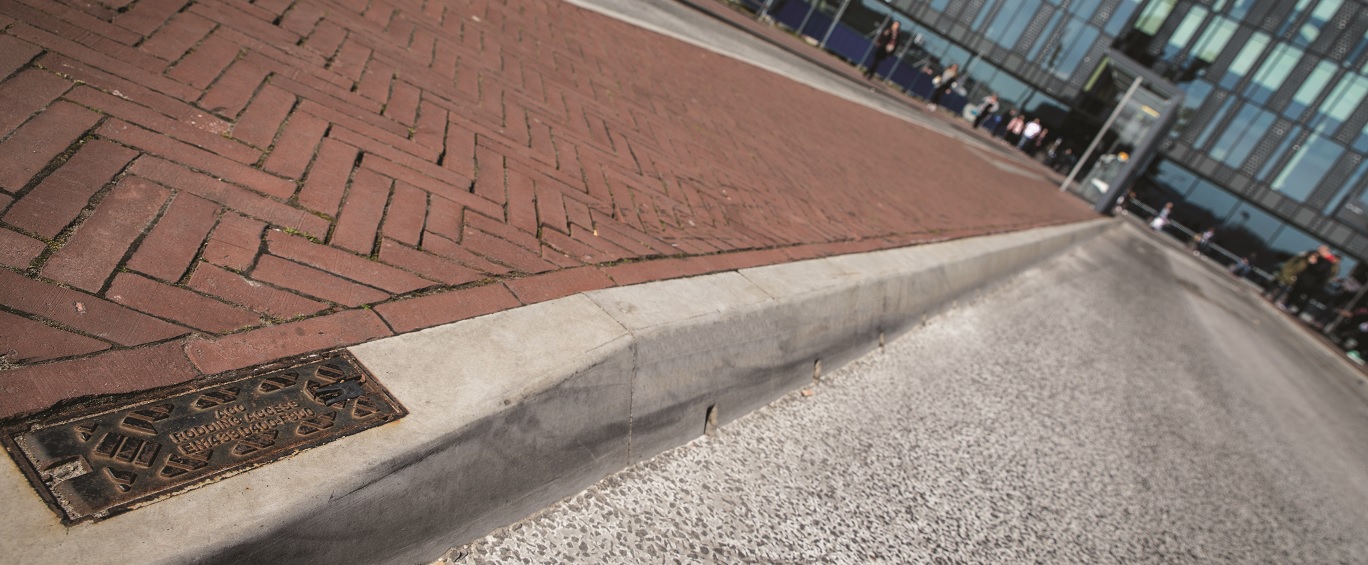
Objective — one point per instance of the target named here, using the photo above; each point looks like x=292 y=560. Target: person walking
x=987 y=107
x=1029 y=133
x=884 y=44
x=942 y=84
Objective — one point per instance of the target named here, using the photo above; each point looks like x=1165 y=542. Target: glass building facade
x=1269 y=126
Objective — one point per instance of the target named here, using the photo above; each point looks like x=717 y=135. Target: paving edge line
x=515 y=410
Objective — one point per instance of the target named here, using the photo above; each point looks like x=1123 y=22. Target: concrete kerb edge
x=513 y=411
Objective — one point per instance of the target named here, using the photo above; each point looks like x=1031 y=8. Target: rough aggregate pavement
x=1123 y=403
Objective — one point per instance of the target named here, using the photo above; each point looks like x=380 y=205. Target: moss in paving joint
x=295 y=232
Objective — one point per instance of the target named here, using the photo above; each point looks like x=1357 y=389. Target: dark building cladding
x=1266 y=137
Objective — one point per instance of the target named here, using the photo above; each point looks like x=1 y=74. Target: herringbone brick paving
x=192 y=187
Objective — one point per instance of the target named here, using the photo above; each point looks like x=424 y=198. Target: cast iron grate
x=92 y=463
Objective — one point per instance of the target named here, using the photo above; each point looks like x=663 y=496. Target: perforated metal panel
x=1199 y=119
x=1089 y=62
x=971 y=9
x=1034 y=29
x=1104 y=13
x=1355 y=25
x=1333 y=180
x=1294 y=80
x=1222 y=62
x=1337 y=35
x=1268 y=15
x=1165 y=31
x=1266 y=146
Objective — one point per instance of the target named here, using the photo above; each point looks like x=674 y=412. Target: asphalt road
x=1122 y=403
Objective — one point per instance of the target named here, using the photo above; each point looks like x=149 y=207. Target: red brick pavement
x=188 y=188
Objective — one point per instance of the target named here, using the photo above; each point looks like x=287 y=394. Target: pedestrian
x=1000 y=130
x=1352 y=333
x=1321 y=266
x=1241 y=268
x=1121 y=202
x=884 y=44
x=1202 y=241
x=1015 y=128
x=1066 y=162
x=987 y=107
x=942 y=83
x=1286 y=276
x=1040 y=138
x=1029 y=133
x=1052 y=152
x=1162 y=218
x=1334 y=297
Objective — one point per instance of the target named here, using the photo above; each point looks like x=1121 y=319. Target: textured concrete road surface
x=1123 y=403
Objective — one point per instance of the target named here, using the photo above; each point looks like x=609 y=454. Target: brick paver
x=188 y=188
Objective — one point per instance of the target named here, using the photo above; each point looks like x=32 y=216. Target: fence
x=903 y=69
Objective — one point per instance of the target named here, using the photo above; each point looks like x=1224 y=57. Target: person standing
x=1241 y=268
x=943 y=84
x=1162 y=218
x=1320 y=268
x=1029 y=133
x=884 y=44
x=1015 y=128
x=1203 y=242
x=1287 y=276
x=987 y=107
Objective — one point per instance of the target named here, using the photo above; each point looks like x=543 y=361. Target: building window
x=1361 y=142
x=1340 y=104
x=1044 y=38
x=1177 y=180
x=1307 y=167
x=1011 y=22
x=1245 y=60
x=1348 y=187
x=983 y=14
x=1287 y=144
x=1154 y=15
x=1292 y=17
x=1214 y=39
x=1320 y=18
x=1240 y=137
x=1274 y=71
x=1120 y=15
x=1074 y=44
x=1195 y=94
x=1186 y=29
x=1310 y=89
x=1215 y=121
x=1240 y=8
x=1084 y=9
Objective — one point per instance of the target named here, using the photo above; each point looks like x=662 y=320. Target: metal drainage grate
x=93 y=463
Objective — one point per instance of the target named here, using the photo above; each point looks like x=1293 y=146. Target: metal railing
x=1222 y=255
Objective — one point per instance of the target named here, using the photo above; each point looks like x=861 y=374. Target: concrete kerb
x=513 y=411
